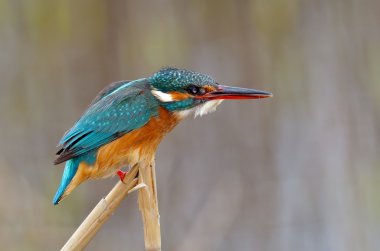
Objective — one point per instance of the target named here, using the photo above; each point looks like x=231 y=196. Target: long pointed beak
x=229 y=92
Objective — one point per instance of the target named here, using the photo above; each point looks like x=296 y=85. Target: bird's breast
x=135 y=146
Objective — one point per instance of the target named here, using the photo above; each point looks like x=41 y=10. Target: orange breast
x=133 y=146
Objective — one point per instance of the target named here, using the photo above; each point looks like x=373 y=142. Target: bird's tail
x=68 y=174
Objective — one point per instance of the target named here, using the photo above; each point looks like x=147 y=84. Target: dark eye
x=195 y=90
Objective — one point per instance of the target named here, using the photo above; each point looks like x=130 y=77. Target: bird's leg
x=121 y=174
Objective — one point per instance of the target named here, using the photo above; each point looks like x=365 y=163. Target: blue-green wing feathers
x=115 y=112
x=110 y=88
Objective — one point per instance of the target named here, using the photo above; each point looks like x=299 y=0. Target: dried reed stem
x=103 y=210
x=148 y=204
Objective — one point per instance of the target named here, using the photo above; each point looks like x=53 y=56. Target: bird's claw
x=121 y=175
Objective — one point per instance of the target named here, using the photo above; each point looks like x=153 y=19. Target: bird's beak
x=229 y=92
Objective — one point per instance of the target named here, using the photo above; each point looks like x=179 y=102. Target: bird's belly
x=109 y=164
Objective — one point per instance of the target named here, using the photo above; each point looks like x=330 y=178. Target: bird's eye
x=195 y=90
x=192 y=89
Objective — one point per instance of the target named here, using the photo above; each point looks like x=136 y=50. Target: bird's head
x=183 y=91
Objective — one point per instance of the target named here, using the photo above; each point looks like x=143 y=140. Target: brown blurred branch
x=104 y=209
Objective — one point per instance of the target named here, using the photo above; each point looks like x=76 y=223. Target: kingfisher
x=126 y=121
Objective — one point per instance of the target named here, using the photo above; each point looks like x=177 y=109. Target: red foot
x=121 y=174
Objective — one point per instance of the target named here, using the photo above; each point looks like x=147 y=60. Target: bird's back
x=93 y=147
x=116 y=111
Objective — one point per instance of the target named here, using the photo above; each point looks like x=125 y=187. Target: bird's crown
x=174 y=79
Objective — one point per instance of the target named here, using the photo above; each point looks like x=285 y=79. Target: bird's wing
x=108 y=89
x=113 y=114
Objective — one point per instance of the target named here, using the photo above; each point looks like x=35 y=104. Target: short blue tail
x=68 y=174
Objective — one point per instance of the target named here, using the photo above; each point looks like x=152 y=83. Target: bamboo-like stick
x=103 y=210
x=148 y=205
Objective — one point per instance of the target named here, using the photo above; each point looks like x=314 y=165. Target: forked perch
x=103 y=210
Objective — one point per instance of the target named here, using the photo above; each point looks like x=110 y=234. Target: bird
x=126 y=121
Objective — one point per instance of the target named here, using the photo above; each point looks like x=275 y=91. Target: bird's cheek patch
x=170 y=96
x=178 y=96
x=209 y=88
x=162 y=96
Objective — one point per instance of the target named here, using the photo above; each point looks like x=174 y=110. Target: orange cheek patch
x=209 y=88
x=178 y=96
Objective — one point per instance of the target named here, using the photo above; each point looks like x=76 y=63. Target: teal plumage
x=173 y=79
x=128 y=107
x=70 y=170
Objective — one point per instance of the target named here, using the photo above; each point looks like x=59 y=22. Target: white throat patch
x=200 y=110
x=162 y=96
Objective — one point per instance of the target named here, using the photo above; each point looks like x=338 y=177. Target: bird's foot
x=121 y=175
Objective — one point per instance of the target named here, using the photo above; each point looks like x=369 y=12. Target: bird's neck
x=177 y=105
x=158 y=126
x=164 y=122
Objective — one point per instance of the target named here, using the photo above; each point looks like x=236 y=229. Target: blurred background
x=299 y=171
